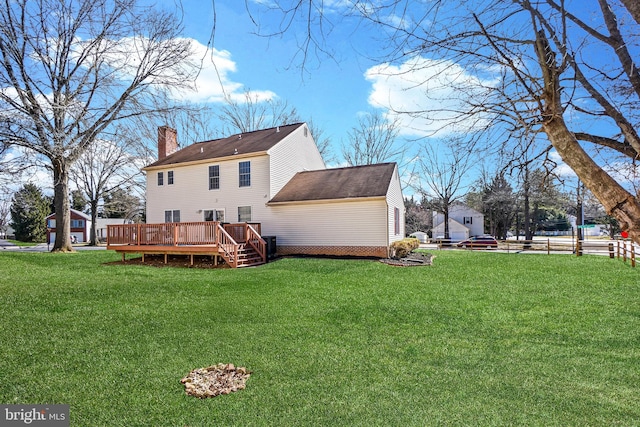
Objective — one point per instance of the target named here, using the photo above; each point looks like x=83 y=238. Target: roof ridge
x=248 y=133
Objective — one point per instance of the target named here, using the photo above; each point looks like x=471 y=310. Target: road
x=42 y=247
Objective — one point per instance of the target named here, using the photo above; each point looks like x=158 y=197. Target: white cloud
x=562 y=169
x=428 y=96
x=214 y=81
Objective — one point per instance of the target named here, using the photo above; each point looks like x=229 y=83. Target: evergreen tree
x=121 y=204
x=78 y=201
x=29 y=209
x=498 y=206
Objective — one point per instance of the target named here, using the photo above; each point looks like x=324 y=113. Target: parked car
x=484 y=241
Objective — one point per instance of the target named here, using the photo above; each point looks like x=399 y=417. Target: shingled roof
x=240 y=144
x=340 y=183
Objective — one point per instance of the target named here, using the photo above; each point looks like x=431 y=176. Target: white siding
x=357 y=223
x=458 y=212
x=295 y=153
x=395 y=200
x=191 y=195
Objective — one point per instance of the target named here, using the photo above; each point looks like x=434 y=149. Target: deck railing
x=228 y=246
x=227 y=237
x=177 y=233
x=258 y=243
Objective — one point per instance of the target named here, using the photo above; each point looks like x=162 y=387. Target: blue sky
x=331 y=92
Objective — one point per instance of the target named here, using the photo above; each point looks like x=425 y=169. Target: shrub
x=402 y=248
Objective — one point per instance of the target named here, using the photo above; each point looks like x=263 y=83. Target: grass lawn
x=476 y=339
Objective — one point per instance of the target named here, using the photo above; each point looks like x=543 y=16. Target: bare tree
x=373 y=141
x=102 y=167
x=251 y=113
x=322 y=141
x=71 y=68
x=444 y=168
x=565 y=70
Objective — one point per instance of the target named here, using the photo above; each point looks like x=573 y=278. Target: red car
x=483 y=241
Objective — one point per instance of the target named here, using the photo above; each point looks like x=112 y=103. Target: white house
x=276 y=177
x=464 y=222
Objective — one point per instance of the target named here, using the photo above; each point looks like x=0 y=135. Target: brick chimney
x=167 y=141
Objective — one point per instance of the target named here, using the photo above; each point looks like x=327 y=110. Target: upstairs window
x=160 y=178
x=170 y=177
x=245 y=174
x=467 y=220
x=77 y=223
x=214 y=177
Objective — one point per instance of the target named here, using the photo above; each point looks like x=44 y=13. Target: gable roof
x=240 y=144
x=340 y=183
x=73 y=211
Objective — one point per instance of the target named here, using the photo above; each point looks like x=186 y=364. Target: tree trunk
x=61 y=206
x=618 y=202
x=445 y=214
x=528 y=234
x=93 y=235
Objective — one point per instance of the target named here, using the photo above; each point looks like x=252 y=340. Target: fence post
x=548 y=246
x=624 y=251
x=633 y=255
x=579 y=248
x=611 y=254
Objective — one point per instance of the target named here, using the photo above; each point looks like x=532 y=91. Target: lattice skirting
x=358 y=251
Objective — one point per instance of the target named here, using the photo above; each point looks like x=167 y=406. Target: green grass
x=476 y=339
x=21 y=243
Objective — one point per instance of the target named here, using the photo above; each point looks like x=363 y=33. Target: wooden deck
x=239 y=245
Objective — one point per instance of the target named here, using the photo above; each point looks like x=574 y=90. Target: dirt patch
x=414 y=259
x=179 y=261
x=215 y=380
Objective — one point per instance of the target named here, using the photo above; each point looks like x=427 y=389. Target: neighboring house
x=464 y=222
x=101 y=226
x=80 y=226
x=276 y=177
x=421 y=236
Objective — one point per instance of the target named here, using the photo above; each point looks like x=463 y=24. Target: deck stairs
x=247 y=256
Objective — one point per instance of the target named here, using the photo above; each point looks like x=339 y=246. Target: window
x=214 y=177
x=467 y=220
x=214 y=215
x=170 y=177
x=244 y=213
x=160 y=178
x=396 y=220
x=245 y=174
x=51 y=223
x=77 y=223
x=172 y=216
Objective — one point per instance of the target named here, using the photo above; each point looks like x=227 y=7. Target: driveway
x=43 y=247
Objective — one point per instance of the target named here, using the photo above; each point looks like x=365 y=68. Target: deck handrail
x=256 y=241
x=228 y=245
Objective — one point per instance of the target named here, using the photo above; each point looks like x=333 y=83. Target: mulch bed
x=414 y=259
x=180 y=261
